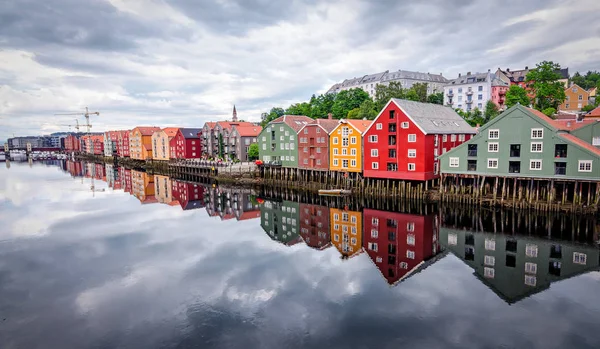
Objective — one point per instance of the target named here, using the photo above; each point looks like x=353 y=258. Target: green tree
x=347 y=100
x=366 y=110
x=412 y=95
x=321 y=105
x=303 y=108
x=383 y=93
x=543 y=81
x=549 y=112
x=273 y=114
x=588 y=108
x=253 y=151
x=420 y=89
x=436 y=98
x=517 y=94
x=491 y=111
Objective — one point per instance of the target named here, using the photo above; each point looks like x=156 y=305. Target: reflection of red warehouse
x=398 y=243
x=75 y=168
x=189 y=195
x=314 y=226
x=125 y=177
x=100 y=172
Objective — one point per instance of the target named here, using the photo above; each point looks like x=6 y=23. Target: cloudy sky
x=183 y=62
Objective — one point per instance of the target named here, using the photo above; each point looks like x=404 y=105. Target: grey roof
x=412 y=75
x=190 y=132
x=387 y=76
x=464 y=79
x=434 y=118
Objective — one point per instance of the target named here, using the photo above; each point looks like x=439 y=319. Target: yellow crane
x=86 y=115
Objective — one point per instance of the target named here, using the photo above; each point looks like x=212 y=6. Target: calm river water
x=97 y=257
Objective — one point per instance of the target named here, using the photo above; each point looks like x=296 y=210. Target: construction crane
x=87 y=117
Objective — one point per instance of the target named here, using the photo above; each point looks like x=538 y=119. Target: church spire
x=235 y=118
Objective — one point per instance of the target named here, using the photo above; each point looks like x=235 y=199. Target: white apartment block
x=469 y=91
x=435 y=82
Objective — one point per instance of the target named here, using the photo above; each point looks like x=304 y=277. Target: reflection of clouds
x=128 y=275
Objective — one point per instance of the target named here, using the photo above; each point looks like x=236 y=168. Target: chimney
x=489 y=70
x=330 y=116
x=508 y=70
x=526 y=68
x=469 y=73
x=459 y=75
x=579 y=117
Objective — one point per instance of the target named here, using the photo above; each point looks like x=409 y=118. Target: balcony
x=502 y=93
x=515 y=150
x=469 y=101
x=450 y=94
x=471 y=165
x=469 y=92
x=514 y=167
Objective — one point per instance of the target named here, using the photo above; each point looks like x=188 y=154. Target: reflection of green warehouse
x=515 y=267
x=278 y=141
x=523 y=142
x=280 y=220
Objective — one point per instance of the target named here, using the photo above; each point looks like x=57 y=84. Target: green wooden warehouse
x=278 y=141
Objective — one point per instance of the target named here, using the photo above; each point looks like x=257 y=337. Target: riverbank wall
x=516 y=193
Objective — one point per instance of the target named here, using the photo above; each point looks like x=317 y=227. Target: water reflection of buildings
x=346 y=231
x=190 y=196
x=229 y=203
x=400 y=244
x=74 y=168
x=314 y=226
x=112 y=177
x=142 y=185
x=279 y=219
x=518 y=266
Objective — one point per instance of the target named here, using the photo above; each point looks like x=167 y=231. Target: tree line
x=354 y=103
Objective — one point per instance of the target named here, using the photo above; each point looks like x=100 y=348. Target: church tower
x=235 y=118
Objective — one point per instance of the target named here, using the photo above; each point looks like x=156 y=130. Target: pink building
x=499 y=89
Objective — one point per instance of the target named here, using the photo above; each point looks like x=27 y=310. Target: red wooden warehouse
x=123 y=143
x=186 y=144
x=313 y=144
x=406 y=138
x=399 y=243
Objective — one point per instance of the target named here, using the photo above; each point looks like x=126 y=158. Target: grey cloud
x=94 y=25
x=238 y=16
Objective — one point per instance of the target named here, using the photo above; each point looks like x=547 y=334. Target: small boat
x=334 y=192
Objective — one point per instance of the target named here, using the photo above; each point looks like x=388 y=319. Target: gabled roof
x=326 y=124
x=248 y=131
x=190 y=132
x=433 y=118
x=360 y=125
x=594 y=113
x=210 y=124
x=146 y=130
x=249 y=215
x=170 y=131
x=581 y=143
x=561 y=124
x=296 y=122
x=227 y=125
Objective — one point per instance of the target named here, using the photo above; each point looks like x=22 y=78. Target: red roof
x=249 y=215
x=171 y=131
x=248 y=131
x=229 y=124
x=360 y=125
x=562 y=124
x=327 y=124
x=147 y=130
x=296 y=122
x=580 y=143
x=594 y=113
